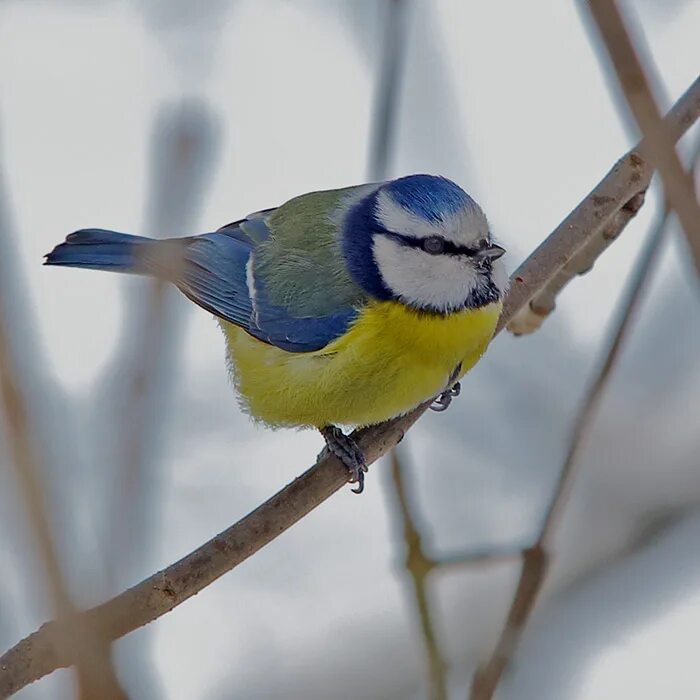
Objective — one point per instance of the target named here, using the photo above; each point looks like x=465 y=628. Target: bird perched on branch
x=344 y=307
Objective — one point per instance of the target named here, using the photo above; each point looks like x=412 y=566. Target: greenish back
x=301 y=263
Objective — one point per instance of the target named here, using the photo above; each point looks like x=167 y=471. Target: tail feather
x=99 y=249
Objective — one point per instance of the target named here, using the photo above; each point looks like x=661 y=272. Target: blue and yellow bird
x=344 y=307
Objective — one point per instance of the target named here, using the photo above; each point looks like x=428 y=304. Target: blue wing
x=217 y=275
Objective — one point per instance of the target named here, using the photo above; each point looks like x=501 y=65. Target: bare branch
x=182 y=148
x=536 y=558
x=598 y=219
x=531 y=317
x=33 y=657
x=477 y=557
x=388 y=89
x=418 y=567
x=421 y=565
x=533 y=572
x=659 y=141
x=96 y=676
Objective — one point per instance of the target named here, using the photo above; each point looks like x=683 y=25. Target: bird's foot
x=348 y=452
x=443 y=401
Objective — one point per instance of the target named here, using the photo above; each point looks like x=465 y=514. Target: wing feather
x=221 y=274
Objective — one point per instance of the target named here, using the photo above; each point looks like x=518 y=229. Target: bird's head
x=425 y=242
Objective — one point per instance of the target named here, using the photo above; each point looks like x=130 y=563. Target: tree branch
x=659 y=140
x=419 y=566
x=95 y=673
x=598 y=220
x=34 y=657
x=530 y=318
x=183 y=143
x=536 y=558
x=388 y=89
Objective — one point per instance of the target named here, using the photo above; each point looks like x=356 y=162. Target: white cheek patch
x=442 y=282
x=463 y=228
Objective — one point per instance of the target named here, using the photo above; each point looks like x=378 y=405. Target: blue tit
x=343 y=307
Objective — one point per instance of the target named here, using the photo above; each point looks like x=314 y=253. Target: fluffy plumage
x=346 y=306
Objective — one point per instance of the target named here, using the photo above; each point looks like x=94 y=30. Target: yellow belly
x=389 y=361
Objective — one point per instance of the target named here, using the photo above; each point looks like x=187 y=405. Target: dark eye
x=434 y=245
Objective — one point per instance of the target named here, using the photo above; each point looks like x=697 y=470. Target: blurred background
x=167 y=117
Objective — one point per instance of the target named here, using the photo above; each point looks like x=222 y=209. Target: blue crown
x=429 y=196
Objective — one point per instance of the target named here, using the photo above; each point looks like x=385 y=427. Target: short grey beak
x=492 y=252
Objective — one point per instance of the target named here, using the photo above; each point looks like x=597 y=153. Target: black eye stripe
x=448 y=248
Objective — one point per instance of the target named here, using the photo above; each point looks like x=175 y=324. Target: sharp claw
x=360 y=483
x=443 y=401
x=349 y=453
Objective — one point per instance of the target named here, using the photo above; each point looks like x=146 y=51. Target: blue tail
x=99 y=249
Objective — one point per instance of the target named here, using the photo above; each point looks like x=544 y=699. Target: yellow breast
x=390 y=360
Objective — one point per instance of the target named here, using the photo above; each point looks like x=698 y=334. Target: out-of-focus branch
x=476 y=557
x=96 y=677
x=182 y=151
x=536 y=558
x=33 y=658
x=388 y=89
x=659 y=142
x=596 y=222
x=418 y=567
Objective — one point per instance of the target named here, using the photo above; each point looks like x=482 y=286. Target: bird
x=343 y=307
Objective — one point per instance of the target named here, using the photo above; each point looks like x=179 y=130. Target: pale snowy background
x=275 y=98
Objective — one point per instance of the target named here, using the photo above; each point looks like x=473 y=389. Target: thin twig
x=530 y=318
x=536 y=558
x=418 y=567
x=477 y=557
x=659 y=142
x=603 y=215
x=96 y=677
x=181 y=154
x=33 y=658
x=388 y=89
x=95 y=673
